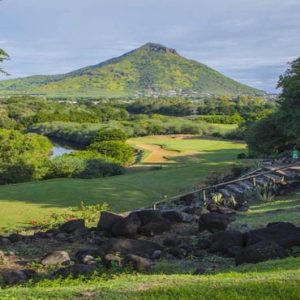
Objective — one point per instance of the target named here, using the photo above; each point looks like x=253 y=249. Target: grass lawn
x=284 y=209
x=21 y=203
x=272 y=280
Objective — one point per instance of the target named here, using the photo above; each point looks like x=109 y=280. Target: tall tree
x=3 y=56
x=281 y=130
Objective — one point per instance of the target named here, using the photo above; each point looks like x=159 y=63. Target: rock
x=127 y=227
x=173 y=216
x=199 y=253
x=2 y=256
x=220 y=209
x=139 y=263
x=81 y=233
x=129 y=246
x=200 y=271
x=85 y=255
x=4 y=241
x=213 y=222
x=61 y=236
x=55 y=258
x=110 y=259
x=76 y=270
x=43 y=235
x=147 y=215
x=156 y=254
x=261 y=251
x=15 y=277
x=155 y=227
x=178 y=253
x=203 y=244
x=223 y=241
x=188 y=218
x=171 y=242
x=187 y=199
x=15 y=237
x=284 y=234
x=107 y=220
x=71 y=226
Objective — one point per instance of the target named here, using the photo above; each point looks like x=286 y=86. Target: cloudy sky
x=248 y=40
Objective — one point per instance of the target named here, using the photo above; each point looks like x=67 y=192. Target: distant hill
x=151 y=70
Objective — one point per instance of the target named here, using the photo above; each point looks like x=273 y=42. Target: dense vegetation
x=151 y=69
x=26 y=157
x=280 y=131
x=23 y=157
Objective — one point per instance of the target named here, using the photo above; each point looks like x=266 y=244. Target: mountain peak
x=157 y=48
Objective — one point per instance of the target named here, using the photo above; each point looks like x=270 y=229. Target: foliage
x=3 y=56
x=110 y=134
x=89 y=213
x=83 y=164
x=280 y=131
x=22 y=156
x=115 y=149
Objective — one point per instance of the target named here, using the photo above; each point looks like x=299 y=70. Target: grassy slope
x=24 y=202
x=128 y=74
x=272 y=280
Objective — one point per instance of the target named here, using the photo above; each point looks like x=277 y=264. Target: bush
x=86 y=165
x=113 y=134
x=120 y=151
x=23 y=157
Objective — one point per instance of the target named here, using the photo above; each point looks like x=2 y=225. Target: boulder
x=129 y=246
x=213 y=222
x=15 y=237
x=110 y=259
x=171 y=242
x=73 y=225
x=188 y=199
x=85 y=255
x=173 y=216
x=15 y=277
x=259 y=252
x=126 y=227
x=155 y=227
x=156 y=254
x=177 y=252
x=200 y=271
x=55 y=258
x=4 y=241
x=223 y=241
x=147 y=215
x=203 y=244
x=76 y=270
x=220 y=209
x=107 y=220
x=139 y=263
x=284 y=234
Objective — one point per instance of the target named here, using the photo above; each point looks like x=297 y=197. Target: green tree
x=110 y=134
x=23 y=157
x=280 y=131
x=3 y=56
x=115 y=149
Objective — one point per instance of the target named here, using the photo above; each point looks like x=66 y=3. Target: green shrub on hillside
x=23 y=157
x=115 y=149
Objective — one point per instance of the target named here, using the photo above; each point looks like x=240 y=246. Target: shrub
x=107 y=134
x=120 y=151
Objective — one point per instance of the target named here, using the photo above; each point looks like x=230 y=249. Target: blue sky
x=250 y=41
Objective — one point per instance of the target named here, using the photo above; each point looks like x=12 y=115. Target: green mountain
x=151 y=70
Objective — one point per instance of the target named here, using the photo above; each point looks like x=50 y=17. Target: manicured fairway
x=22 y=203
